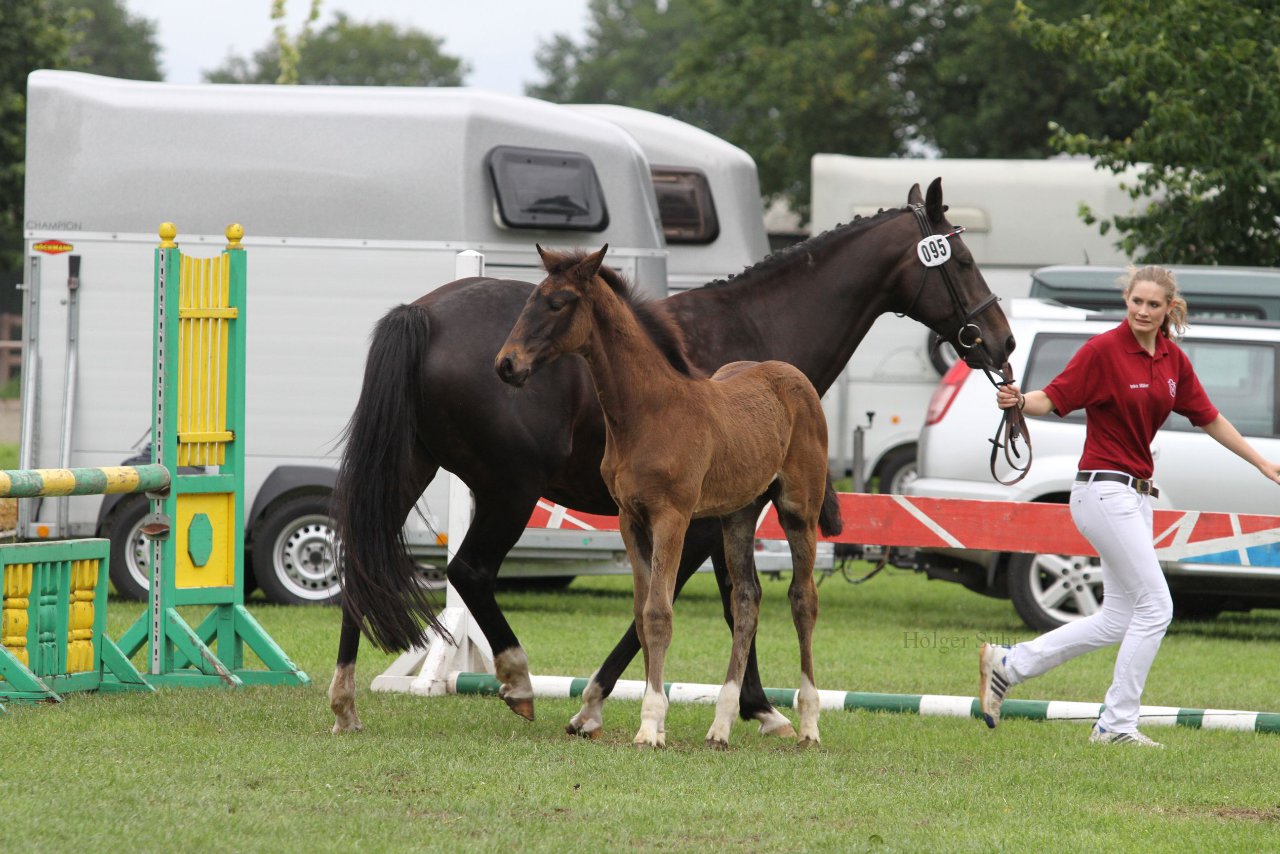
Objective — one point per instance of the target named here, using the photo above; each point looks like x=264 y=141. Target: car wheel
x=293 y=555
x=130 y=563
x=1051 y=590
x=897 y=470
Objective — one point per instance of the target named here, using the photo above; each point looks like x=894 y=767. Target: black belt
x=1142 y=487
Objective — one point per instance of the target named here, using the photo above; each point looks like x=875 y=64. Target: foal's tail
x=374 y=490
x=829 y=521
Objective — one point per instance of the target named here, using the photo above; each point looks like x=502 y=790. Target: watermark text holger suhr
x=935 y=641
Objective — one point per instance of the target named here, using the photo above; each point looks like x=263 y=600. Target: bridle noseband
x=934 y=254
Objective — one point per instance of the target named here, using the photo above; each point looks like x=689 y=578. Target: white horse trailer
x=708 y=195
x=353 y=199
x=1018 y=215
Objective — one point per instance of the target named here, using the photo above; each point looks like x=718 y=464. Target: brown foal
x=680 y=446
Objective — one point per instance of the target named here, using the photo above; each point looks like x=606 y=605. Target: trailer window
x=685 y=205
x=540 y=188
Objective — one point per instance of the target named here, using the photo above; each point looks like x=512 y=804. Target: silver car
x=1236 y=361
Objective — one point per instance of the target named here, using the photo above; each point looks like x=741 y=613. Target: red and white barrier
x=1008 y=526
x=880 y=520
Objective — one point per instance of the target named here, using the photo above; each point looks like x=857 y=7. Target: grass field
x=258 y=770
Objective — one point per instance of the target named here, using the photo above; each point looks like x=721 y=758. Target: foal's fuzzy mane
x=653 y=319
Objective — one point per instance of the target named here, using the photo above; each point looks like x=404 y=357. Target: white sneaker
x=993 y=681
x=1100 y=735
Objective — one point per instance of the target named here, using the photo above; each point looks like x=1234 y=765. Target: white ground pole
x=425 y=670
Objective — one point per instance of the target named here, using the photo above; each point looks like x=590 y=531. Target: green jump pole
x=929 y=705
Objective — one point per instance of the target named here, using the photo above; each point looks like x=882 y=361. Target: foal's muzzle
x=507 y=372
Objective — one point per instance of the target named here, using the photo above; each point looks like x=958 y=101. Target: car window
x=1239 y=377
x=1049 y=355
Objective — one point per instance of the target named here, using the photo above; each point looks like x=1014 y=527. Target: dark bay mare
x=430 y=400
x=681 y=446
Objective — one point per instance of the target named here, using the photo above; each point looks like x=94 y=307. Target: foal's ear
x=914 y=197
x=542 y=253
x=589 y=266
x=933 y=205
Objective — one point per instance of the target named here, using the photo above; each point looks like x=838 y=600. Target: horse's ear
x=542 y=253
x=933 y=205
x=589 y=266
x=914 y=197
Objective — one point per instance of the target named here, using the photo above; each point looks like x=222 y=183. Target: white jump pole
x=425 y=670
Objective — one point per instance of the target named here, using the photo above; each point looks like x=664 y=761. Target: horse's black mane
x=653 y=319
x=785 y=255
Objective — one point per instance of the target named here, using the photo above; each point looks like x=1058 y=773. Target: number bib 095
x=934 y=250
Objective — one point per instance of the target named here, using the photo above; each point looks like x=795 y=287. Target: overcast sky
x=496 y=37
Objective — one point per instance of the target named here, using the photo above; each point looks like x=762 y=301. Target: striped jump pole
x=110 y=480
x=928 y=705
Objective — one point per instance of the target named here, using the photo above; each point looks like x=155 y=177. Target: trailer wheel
x=130 y=565
x=293 y=555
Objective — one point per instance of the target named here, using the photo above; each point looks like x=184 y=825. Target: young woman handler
x=1127 y=380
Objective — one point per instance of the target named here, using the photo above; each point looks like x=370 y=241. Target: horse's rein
x=1011 y=429
x=1013 y=424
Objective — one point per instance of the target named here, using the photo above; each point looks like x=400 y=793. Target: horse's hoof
x=592 y=734
x=522 y=707
x=339 y=727
x=807 y=742
x=773 y=722
x=645 y=743
x=717 y=744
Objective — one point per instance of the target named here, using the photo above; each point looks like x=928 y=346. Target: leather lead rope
x=1011 y=430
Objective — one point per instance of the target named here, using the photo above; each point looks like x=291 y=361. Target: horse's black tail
x=372 y=496
x=829 y=521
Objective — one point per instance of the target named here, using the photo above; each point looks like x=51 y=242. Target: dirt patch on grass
x=1227 y=813
x=1247 y=814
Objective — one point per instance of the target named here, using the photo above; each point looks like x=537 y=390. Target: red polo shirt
x=1126 y=395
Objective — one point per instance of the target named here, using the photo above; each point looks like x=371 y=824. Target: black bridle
x=1013 y=425
x=965 y=317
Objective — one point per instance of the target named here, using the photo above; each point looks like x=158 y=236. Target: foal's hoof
x=646 y=743
x=784 y=731
x=807 y=742
x=340 y=726
x=521 y=706
x=592 y=734
x=717 y=744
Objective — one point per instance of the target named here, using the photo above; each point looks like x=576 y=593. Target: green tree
x=779 y=79
x=353 y=54
x=33 y=35
x=627 y=57
x=785 y=79
x=1208 y=74
x=107 y=40
x=975 y=85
